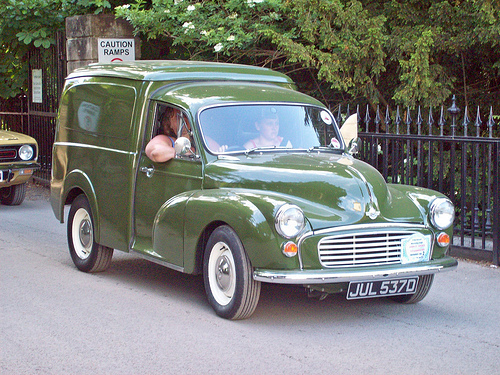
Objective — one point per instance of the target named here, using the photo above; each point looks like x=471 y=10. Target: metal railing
x=429 y=155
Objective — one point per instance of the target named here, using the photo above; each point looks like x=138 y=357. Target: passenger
x=268 y=127
x=161 y=148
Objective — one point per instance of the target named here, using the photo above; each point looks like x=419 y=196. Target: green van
x=262 y=188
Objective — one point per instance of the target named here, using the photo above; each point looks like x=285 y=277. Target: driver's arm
x=160 y=149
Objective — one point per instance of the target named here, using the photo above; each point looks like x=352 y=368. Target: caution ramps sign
x=111 y=50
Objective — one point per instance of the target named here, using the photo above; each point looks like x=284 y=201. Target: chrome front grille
x=362 y=250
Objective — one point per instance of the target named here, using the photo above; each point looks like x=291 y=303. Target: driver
x=161 y=147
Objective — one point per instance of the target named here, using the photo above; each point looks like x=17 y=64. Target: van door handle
x=149 y=171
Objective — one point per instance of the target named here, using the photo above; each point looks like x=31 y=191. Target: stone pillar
x=83 y=32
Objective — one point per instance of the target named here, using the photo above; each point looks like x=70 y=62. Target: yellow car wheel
x=13 y=195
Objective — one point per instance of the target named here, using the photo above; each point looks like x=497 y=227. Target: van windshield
x=246 y=128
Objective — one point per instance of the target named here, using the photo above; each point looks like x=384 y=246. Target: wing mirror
x=182 y=146
x=349 y=132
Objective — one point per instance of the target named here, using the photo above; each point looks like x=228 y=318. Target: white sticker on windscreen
x=335 y=143
x=325 y=116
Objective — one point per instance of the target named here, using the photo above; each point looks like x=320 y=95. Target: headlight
x=442 y=213
x=289 y=220
x=26 y=152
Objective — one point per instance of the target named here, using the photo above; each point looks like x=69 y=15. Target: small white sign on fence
x=111 y=50
x=36 y=85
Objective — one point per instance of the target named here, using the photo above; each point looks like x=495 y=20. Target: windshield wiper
x=324 y=148
x=265 y=148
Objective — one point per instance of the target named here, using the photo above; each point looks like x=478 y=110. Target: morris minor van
x=262 y=187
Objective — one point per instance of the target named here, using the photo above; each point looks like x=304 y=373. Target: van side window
x=101 y=109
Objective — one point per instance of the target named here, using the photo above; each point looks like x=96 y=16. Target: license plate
x=382 y=288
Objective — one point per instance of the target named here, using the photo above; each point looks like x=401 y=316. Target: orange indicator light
x=290 y=249
x=443 y=239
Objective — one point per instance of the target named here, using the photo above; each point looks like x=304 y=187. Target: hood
x=330 y=188
x=12 y=138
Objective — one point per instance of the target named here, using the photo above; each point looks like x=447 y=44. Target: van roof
x=178 y=70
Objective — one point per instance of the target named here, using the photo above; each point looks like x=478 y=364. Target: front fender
x=421 y=198
x=250 y=214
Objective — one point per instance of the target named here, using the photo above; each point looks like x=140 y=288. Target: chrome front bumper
x=16 y=174
x=333 y=276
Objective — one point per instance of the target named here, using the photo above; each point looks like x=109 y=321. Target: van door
x=156 y=184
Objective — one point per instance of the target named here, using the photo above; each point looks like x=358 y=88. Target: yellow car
x=18 y=156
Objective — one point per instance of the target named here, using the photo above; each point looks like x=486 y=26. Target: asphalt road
x=141 y=318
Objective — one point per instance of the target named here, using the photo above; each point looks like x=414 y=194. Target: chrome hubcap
x=82 y=233
x=85 y=233
x=223 y=273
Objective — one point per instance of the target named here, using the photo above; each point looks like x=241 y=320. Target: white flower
x=187 y=26
x=126 y=6
x=230 y=38
x=177 y=1
x=218 y=47
x=190 y=8
x=204 y=32
x=233 y=16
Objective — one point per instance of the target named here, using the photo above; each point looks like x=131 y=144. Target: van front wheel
x=87 y=255
x=424 y=285
x=228 y=276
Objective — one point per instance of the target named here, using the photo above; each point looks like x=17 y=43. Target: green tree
x=326 y=40
x=33 y=23
x=406 y=52
x=443 y=47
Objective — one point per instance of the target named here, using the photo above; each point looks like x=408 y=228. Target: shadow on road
x=278 y=303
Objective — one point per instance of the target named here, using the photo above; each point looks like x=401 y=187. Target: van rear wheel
x=87 y=255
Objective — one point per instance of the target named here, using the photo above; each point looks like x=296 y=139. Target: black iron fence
x=445 y=157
